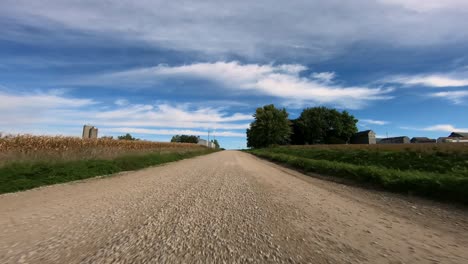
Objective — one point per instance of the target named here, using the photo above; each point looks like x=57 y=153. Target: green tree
x=184 y=139
x=297 y=136
x=175 y=138
x=271 y=126
x=321 y=125
x=127 y=137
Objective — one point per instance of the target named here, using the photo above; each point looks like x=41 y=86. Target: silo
x=86 y=131
x=93 y=133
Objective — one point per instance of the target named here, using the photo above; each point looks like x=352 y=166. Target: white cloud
x=121 y=102
x=326 y=77
x=34 y=107
x=34 y=112
x=50 y=100
x=438 y=128
x=429 y=5
x=431 y=80
x=170 y=132
x=457 y=97
x=374 y=122
x=281 y=81
x=307 y=28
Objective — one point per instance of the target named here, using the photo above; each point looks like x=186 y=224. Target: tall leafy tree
x=321 y=125
x=271 y=126
x=297 y=136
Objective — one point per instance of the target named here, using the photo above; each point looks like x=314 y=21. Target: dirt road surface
x=226 y=207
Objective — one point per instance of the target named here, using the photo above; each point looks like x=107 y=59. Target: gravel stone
x=226 y=207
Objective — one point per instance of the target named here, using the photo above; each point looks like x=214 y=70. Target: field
x=438 y=171
x=31 y=161
x=43 y=148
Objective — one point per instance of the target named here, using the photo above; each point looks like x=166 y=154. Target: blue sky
x=159 y=68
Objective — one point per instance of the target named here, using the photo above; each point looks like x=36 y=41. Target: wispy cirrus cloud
x=308 y=28
x=436 y=80
x=457 y=97
x=453 y=80
x=121 y=102
x=326 y=77
x=437 y=128
x=170 y=132
x=281 y=81
x=37 y=111
x=38 y=100
x=373 y=122
x=428 y=5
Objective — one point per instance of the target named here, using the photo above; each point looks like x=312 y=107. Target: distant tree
x=107 y=137
x=271 y=126
x=297 y=136
x=175 y=138
x=127 y=137
x=216 y=143
x=184 y=139
x=321 y=125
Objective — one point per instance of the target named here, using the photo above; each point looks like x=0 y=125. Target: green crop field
x=438 y=171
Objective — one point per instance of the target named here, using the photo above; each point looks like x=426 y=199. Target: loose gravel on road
x=226 y=207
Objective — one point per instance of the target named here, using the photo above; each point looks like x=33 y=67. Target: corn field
x=45 y=148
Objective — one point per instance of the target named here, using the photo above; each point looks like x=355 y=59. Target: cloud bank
x=457 y=97
x=373 y=122
x=304 y=28
x=431 y=80
x=438 y=128
x=281 y=81
x=44 y=110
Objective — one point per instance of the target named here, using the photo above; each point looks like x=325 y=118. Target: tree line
x=316 y=125
x=191 y=139
x=176 y=138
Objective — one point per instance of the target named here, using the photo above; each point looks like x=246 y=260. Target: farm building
x=459 y=135
x=364 y=137
x=452 y=140
x=89 y=132
x=206 y=143
x=454 y=137
x=422 y=140
x=395 y=140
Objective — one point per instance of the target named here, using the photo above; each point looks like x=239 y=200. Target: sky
x=159 y=68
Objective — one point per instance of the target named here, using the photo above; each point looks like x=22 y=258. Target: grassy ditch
x=446 y=185
x=19 y=176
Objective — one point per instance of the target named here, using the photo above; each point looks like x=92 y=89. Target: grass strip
x=405 y=159
x=432 y=185
x=23 y=175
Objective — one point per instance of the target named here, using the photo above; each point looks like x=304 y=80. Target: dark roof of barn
x=365 y=132
x=459 y=134
x=422 y=139
x=393 y=138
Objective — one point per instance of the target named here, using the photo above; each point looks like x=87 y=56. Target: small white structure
x=206 y=143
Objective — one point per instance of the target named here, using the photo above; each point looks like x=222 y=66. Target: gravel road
x=226 y=207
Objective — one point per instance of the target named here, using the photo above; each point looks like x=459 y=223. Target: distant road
x=227 y=206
